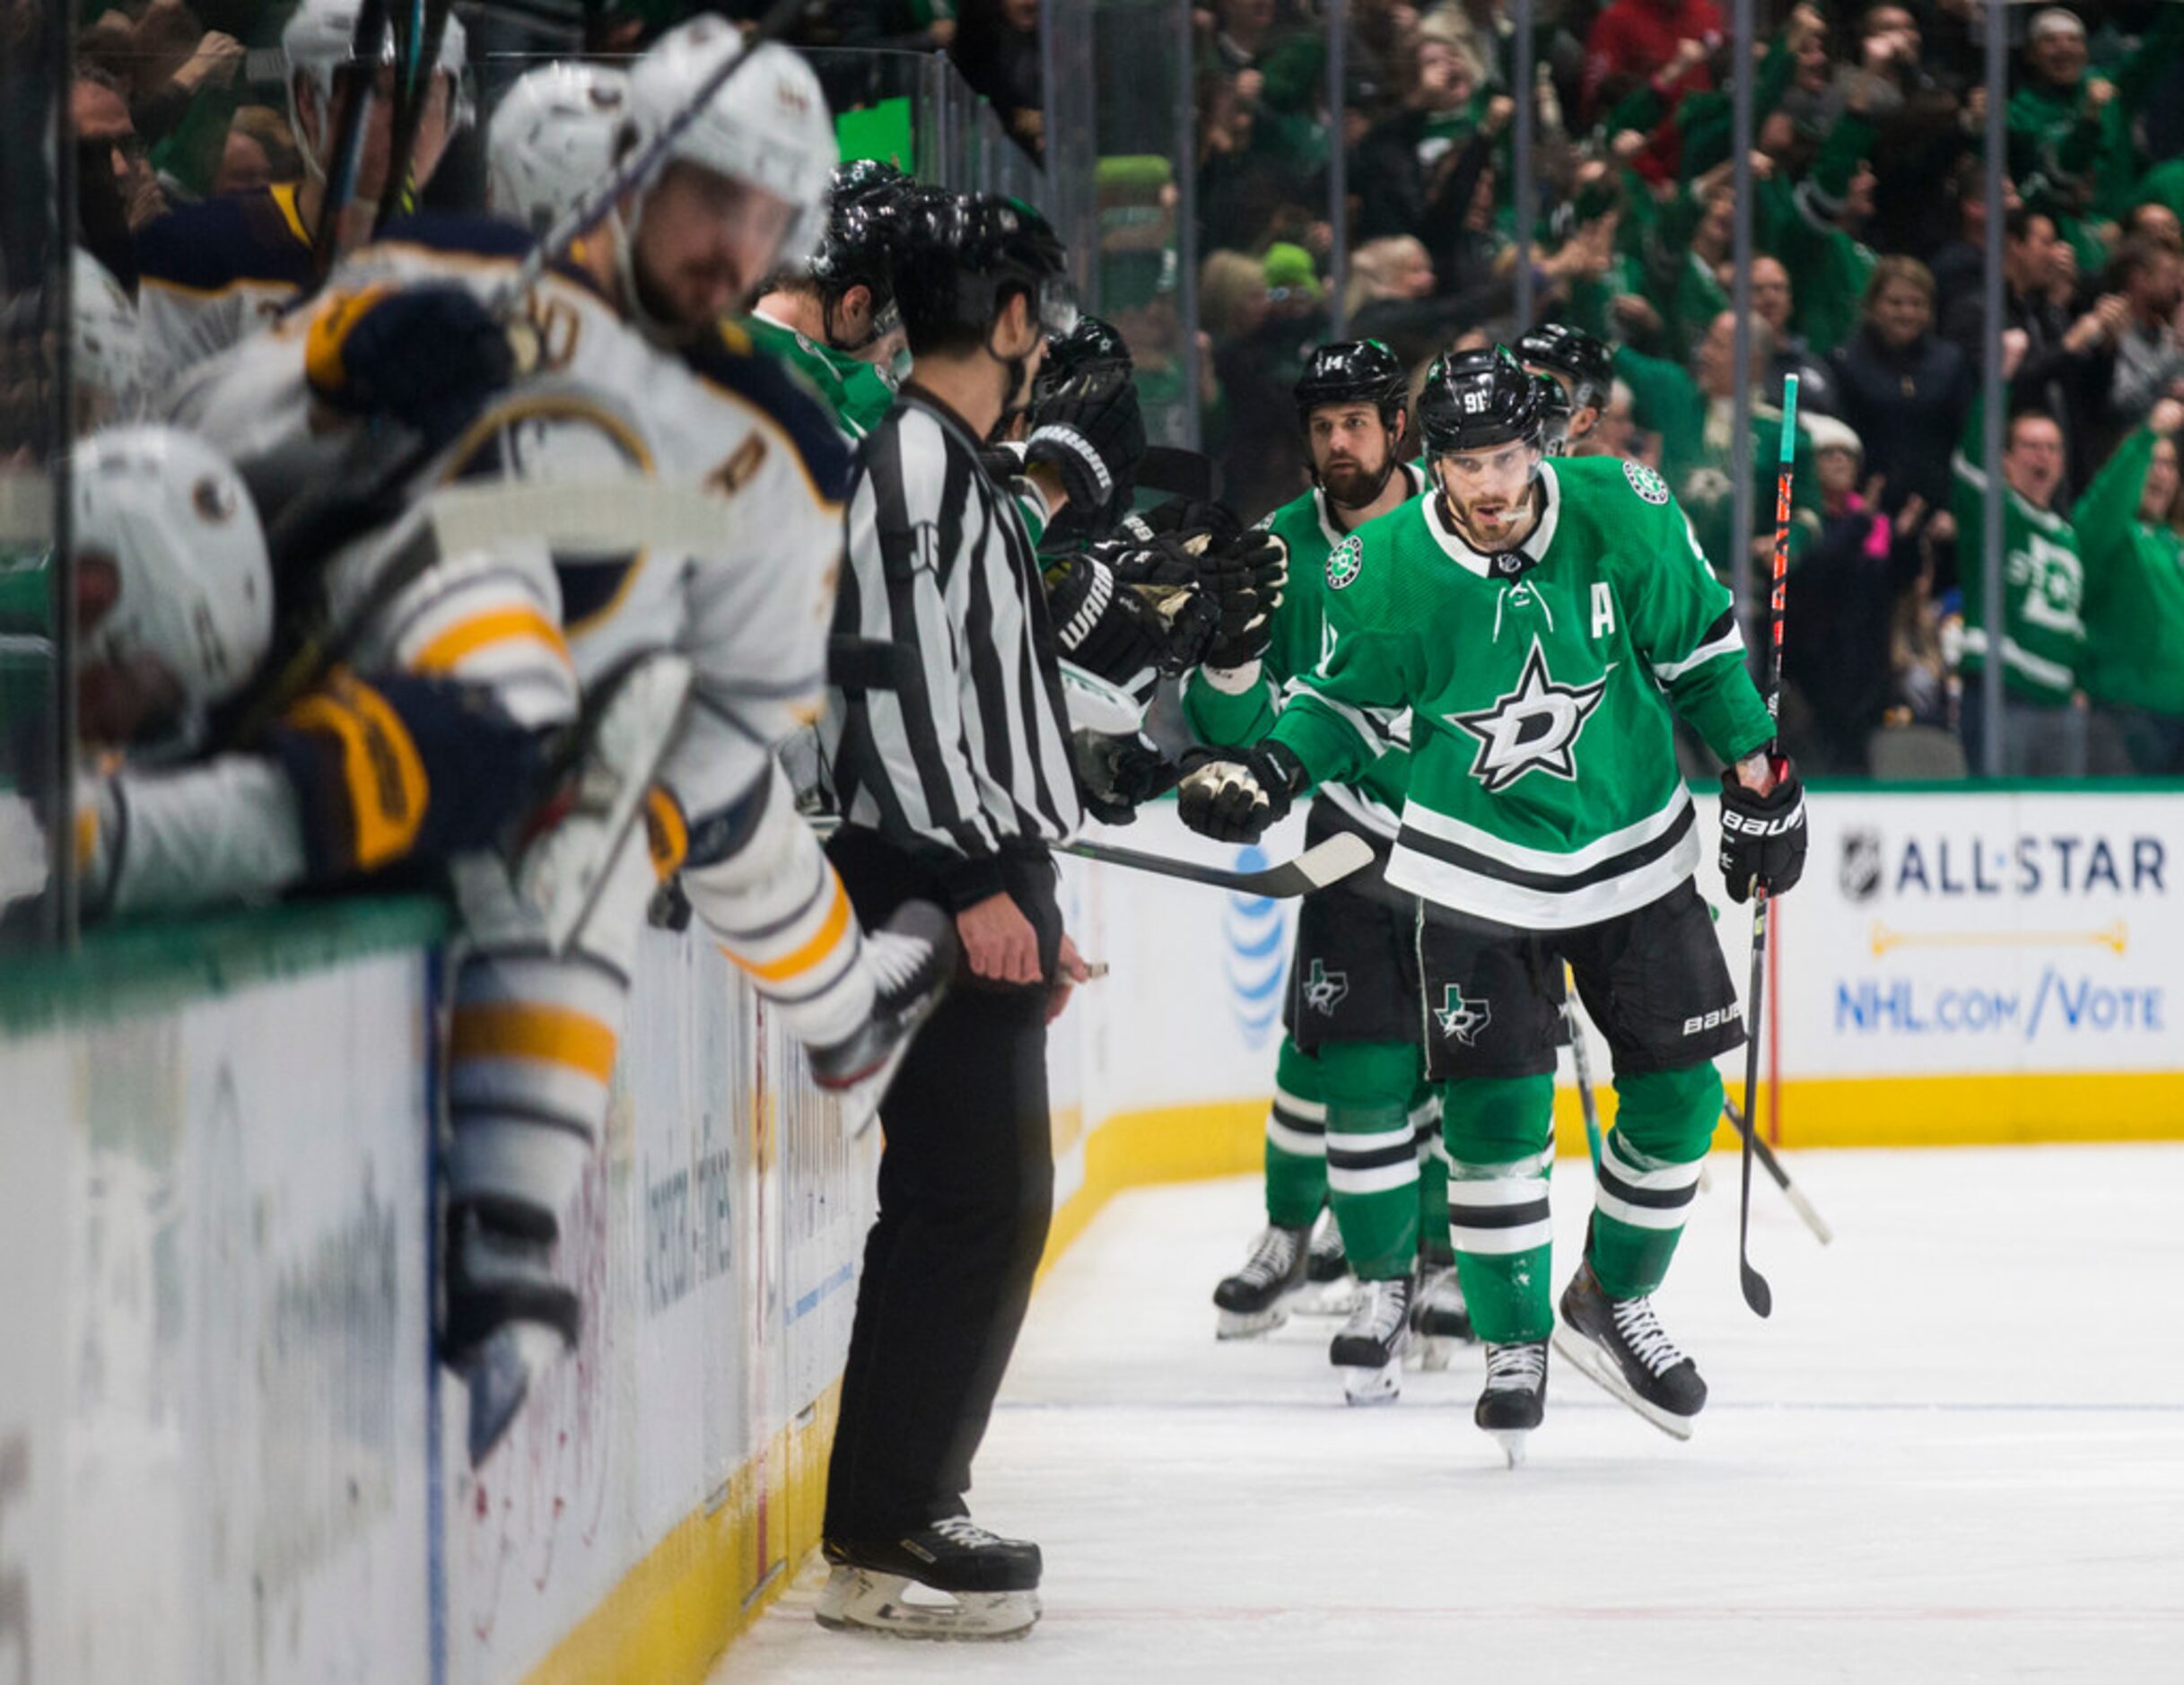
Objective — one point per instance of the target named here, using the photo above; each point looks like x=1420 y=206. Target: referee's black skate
x=1369 y=1350
x=1515 y=1399
x=1256 y=1298
x=1619 y=1344
x=912 y=959
x=951 y=1580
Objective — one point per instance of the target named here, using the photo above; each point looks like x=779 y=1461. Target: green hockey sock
x=1433 y=1245
x=1296 y=1141
x=1649 y=1173
x=1500 y=1132
x=1372 y=1153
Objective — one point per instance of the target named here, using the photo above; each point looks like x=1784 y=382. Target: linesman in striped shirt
x=953 y=774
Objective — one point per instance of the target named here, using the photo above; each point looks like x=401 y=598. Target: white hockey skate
x=504 y=1318
x=1369 y=1350
x=1330 y=1288
x=953 y=1580
x=1256 y=1299
x=614 y=752
x=913 y=959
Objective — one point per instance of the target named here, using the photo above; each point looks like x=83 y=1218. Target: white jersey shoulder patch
x=1645 y=483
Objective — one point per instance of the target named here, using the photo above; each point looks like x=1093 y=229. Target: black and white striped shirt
x=968 y=758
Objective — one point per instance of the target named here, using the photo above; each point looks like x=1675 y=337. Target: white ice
x=1955 y=1452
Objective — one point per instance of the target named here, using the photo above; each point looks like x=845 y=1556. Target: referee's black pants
x=967 y=1184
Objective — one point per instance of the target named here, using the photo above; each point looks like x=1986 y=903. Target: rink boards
x=225 y=1454
x=1957 y=966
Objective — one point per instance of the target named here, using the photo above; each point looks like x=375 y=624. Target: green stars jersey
x=857 y=392
x=1543 y=791
x=2134 y=588
x=1374 y=798
x=2043 y=586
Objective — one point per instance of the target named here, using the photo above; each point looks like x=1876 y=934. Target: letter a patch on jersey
x=1532 y=729
x=1462 y=1016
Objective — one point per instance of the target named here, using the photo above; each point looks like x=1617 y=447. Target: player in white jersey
x=688 y=493
x=399 y=759
x=211 y=273
x=557 y=131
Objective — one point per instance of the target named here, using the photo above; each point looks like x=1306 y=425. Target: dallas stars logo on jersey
x=1345 y=562
x=1462 y=1016
x=1325 y=990
x=1530 y=729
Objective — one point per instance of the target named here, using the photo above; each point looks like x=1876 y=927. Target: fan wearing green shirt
x=2043 y=641
x=2130 y=527
x=835 y=321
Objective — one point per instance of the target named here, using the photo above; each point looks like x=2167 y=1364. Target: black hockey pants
x=966 y=1186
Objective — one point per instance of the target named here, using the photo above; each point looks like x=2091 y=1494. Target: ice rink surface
x=1955 y=1452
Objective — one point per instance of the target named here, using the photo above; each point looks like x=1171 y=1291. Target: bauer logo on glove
x=1763 y=838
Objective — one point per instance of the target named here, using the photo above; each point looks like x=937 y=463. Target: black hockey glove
x=1116 y=775
x=1184 y=518
x=1246 y=579
x=1236 y=795
x=429 y=356
x=1108 y=631
x=1116 y=630
x=1763 y=838
x=1092 y=435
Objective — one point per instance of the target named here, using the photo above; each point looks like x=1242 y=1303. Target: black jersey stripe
x=1606 y=871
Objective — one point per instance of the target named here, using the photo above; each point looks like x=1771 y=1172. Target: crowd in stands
x=1868 y=221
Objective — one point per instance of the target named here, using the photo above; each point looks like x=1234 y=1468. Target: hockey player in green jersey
x=1352 y=1122
x=1582 y=369
x=835 y=321
x=1541 y=620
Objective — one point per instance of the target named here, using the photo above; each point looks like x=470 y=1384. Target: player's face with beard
x=1487 y=494
x=1350 y=450
x=704 y=241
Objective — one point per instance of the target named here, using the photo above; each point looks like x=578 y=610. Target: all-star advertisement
x=1991 y=933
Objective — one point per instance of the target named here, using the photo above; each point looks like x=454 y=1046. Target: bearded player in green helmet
x=1544 y=623
x=1353 y=1122
x=833 y=320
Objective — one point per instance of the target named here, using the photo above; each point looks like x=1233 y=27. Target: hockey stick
x=1773 y=1166
x=356 y=79
x=1318 y=866
x=1757 y=1293
x=1582 y=1062
x=399 y=192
